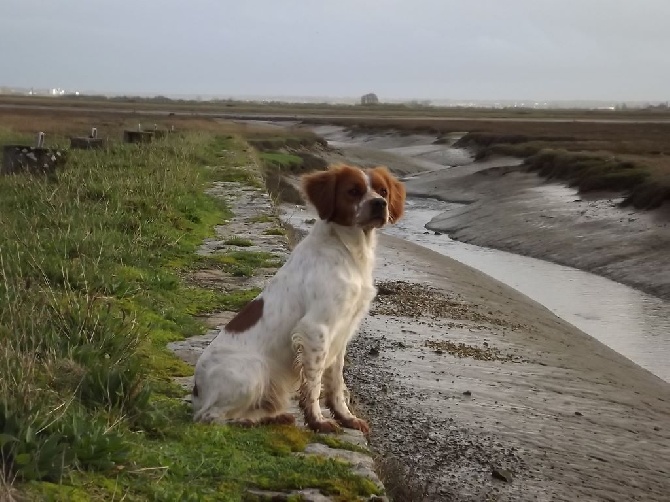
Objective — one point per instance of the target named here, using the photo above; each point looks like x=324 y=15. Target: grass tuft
x=275 y=231
x=238 y=241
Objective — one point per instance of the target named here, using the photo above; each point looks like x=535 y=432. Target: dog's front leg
x=335 y=398
x=309 y=345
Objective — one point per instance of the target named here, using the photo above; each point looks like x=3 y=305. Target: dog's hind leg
x=272 y=407
x=229 y=389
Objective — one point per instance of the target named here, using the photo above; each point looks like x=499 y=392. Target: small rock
x=578 y=413
x=467 y=393
x=374 y=351
x=657 y=428
x=502 y=474
x=438 y=233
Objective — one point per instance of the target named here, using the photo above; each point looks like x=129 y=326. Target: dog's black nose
x=378 y=204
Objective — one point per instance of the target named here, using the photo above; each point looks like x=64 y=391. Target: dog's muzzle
x=378 y=208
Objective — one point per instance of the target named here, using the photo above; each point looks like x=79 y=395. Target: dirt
x=522 y=213
x=404 y=154
x=561 y=416
x=476 y=392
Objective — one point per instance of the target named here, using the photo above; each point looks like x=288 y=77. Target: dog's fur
x=294 y=335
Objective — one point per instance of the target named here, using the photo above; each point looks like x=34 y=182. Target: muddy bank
x=626 y=319
x=475 y=392
x=520 y=212
x=404 y=154
x=571 y=419
x=512 y=210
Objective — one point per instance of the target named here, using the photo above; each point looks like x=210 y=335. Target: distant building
x=369 y=99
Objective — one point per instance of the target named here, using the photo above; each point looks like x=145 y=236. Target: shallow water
x=629 y=321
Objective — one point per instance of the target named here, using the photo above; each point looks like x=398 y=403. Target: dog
x=293 y=336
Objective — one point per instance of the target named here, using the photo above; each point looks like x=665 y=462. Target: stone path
x=255 y=217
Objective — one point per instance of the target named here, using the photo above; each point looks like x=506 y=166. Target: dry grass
x=290 y=110
x=65 y=123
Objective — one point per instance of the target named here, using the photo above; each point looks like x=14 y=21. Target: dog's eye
x=383 y=192
x=355 y=192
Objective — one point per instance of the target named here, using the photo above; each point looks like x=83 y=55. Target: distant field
x=625 y=151
x=289 y=110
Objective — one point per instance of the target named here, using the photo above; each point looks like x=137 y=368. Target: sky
x=424 y=49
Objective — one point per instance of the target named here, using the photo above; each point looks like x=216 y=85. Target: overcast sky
x=451 y=49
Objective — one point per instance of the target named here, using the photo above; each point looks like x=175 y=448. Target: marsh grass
x=91 y=291
x=281 y=160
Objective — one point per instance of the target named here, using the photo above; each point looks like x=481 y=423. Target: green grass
x=238 y=241
x=281 y=160
x=263 y=218
x=239 y=263
x=197 y=462
x=275 y=231
x=91 y=290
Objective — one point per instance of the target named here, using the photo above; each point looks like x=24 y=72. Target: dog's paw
x=356 y=423
x=324 y=426
x=281 y=419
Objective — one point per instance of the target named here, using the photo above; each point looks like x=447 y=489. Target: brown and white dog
x=294 y=335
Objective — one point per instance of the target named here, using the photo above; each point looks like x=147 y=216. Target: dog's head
x=350 y=196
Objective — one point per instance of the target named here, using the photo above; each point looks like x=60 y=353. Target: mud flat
x=495 y=205
x=475 y=392
x=521 y=213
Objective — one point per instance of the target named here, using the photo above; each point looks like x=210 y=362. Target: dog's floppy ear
x=319 y=188
x=396 y=199
x=396 y=196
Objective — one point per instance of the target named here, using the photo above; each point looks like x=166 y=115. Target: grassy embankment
x=93 y=270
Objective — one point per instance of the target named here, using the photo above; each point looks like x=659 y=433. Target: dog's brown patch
x=336 y=193
x=247 y=317
x=386 y=185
